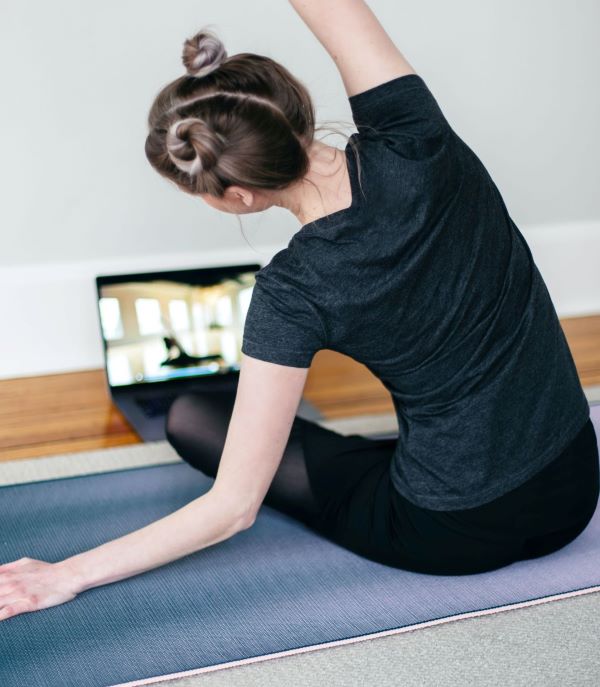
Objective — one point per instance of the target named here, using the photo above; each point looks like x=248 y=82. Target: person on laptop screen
x=177 y=356
x=406 y=260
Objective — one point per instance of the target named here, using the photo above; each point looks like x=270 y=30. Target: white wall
x=517 y=80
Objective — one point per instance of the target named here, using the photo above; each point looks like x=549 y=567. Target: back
x=427 y=281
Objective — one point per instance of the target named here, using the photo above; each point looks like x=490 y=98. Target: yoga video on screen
x=164 y=329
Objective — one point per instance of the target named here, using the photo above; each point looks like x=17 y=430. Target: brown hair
x=243 y=120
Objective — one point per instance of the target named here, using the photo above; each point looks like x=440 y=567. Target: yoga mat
x=270 y=591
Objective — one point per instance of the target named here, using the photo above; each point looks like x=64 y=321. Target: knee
x=196 y=431
x=176 y=421
x=181 y=425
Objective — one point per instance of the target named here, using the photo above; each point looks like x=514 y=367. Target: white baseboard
x=50 y=323
x=49 y=315
x=568 y=257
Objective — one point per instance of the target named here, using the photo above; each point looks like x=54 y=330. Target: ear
x=236 y=194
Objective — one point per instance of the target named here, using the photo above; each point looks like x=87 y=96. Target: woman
x=406 y=260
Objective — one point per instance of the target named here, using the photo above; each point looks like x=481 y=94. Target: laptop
x=172 y=332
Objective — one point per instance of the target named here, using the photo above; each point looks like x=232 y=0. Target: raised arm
x=363 y=52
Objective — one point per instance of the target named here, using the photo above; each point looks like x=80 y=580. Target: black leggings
x=340 y=487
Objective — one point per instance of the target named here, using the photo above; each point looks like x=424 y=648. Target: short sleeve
x=404 y=112
x=282 y=326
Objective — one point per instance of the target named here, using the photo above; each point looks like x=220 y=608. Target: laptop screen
x=174 y=324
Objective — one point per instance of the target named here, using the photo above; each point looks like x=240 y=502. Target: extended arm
x=362 y=50
x=266 y=402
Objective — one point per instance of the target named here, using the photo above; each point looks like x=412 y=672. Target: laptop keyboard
x=152 y=406
x=156 y=405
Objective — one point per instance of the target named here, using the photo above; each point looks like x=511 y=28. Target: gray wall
x=518 y=80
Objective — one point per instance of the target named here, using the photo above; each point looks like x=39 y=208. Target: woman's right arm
x=359 y=45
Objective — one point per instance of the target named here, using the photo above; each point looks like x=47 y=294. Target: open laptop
x=171 y=332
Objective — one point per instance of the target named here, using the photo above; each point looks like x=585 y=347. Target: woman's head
x=233 y=130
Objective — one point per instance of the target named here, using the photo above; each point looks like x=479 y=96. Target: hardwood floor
x=63 y=413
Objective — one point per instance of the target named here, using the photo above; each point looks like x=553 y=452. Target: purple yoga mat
x=272 y=590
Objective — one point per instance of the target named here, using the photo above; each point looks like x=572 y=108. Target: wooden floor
x=53 y=414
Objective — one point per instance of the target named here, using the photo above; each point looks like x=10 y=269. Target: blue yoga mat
x=274 y=588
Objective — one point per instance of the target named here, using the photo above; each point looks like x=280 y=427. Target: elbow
x=247 y=515
x=242 y=521
x=248 y=520
x=237 y=513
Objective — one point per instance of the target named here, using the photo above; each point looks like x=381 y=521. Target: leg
x=563 y=496
x=338 y=485
x=197 y=427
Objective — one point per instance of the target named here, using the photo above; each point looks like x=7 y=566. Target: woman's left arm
x=266 y=403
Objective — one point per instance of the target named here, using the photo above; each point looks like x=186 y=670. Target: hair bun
x=203 y=53
x=192 y=146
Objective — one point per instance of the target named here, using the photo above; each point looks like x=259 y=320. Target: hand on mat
x=31 y=585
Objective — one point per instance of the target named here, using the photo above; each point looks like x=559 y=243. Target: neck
x=323 y=190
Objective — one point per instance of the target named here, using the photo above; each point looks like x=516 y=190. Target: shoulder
x=404 y=115
x=283 y=322
x=284 y=280
x=280 y=269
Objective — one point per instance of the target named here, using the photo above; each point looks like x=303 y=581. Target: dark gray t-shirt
x=426 y=280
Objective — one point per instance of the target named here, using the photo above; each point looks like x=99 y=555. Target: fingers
x=14 y=596
x=31 y=585
x=16 y=607
x=8 y=577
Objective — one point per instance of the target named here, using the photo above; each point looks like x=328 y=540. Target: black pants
x=340 y=486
